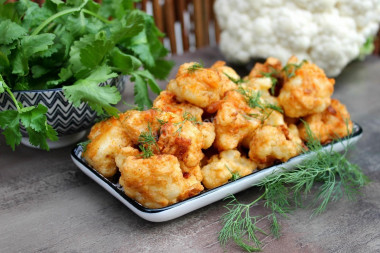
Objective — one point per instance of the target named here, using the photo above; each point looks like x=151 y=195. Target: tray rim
x=207 y=197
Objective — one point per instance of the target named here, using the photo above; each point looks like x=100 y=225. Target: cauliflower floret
x=157 y=181
x=307 y=91
x=167 y=102
x=327 y=32
x=220 y=168
x=137 y=122
x=234 y=121
x=270 y=144
x=182 y=140
x=199 y=86
x=106 y=139
x=207 y=130
x=328 y=125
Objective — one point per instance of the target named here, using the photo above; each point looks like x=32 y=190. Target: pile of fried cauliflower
x=210 y=127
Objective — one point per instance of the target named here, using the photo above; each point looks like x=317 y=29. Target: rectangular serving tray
x=205 y=197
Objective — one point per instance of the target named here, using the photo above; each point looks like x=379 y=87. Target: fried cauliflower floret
x=182 y=140
x=157 y=181
x=307 y=92
x=207 y=130
x=199 y=86
x=137 y=122
x=229 y=72
x=270 y=144
x=167 y=102
x=238 y=116
x=332 y=123
x=221 y=167
x=271 y=65
x=106 y=139
x=191 y=171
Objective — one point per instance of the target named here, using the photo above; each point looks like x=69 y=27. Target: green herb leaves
x=326 y=176
x=77 y=45
x=147 y=143
x=32 y=118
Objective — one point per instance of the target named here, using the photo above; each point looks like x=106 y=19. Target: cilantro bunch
x=75 y=45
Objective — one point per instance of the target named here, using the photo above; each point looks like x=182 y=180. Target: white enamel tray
x=204 y=198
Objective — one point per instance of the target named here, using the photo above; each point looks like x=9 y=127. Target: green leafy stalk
x=187 y=116
x=196 y=66
x=327 y=176
x=33 y=118
x=235 y=175
x=147 y=143
x=240 y=226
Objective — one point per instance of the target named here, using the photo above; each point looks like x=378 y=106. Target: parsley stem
x=51 y=18
x=8 y=90
x=65 y=12
x=13 y=98
x=97 y=16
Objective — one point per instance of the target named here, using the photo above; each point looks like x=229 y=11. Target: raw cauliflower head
x=329 y=33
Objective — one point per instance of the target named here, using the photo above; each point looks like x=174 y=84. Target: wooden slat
x=198 y=17
x=206 y=21
x=169 y=24
x=216 y=26
x=377 y=44
x=158 y=15
x=143 y=5
x=181 y=9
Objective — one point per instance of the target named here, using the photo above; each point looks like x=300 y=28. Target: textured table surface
x=49 y=205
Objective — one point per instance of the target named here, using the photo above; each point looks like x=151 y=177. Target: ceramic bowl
x=70 y=122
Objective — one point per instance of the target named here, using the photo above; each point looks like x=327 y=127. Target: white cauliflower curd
x=328 y=33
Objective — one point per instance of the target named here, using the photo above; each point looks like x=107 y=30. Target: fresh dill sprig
x=196 y=66
x=235 y=175
x=291 y=68
x=235 y=80
x=147 y=142
x=251 y=97
x=240 y=226
x=253 y=100
x=187 y=116
x=84 y=144
x=161 y=122
x=327 y=176
x=272 y=75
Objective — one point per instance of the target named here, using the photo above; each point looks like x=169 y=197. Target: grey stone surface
x=48 y=205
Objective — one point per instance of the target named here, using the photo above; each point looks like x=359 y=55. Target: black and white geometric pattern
x=61 y=115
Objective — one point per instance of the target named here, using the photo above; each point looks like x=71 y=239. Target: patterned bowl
x=70 y=122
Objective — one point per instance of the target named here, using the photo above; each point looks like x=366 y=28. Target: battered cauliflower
x=306 y=89
x=270 y=144
x=328 y=125
x=137 y=122
x=182 y=140
x=106 y=139
x=232 y=121
x=221 y=168
x=167 y=102
x=157 y=181
x=199 y=86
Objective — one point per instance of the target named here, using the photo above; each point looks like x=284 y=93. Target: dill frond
x=147 y=142
x=187 y=116
x=332 y=173
x=235 y=175
x=196 y=66
x=235 y=80
x=240 y=226
x=84 y=144
x=291 y=68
